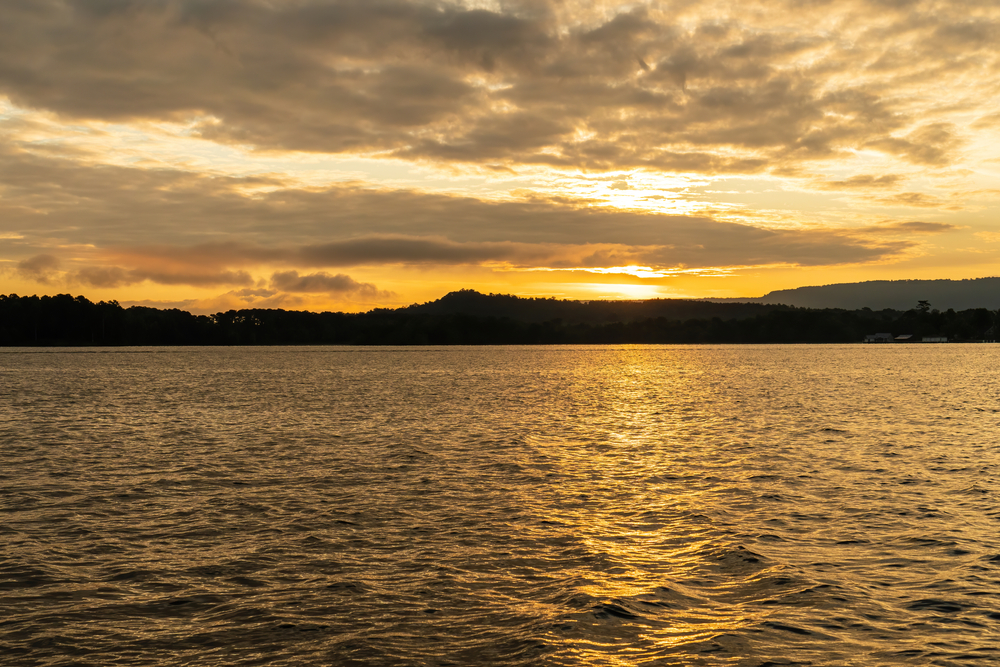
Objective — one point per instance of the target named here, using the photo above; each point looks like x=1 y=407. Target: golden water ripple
x=743 y=505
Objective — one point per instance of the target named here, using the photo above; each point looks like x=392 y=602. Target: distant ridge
x=894 y=294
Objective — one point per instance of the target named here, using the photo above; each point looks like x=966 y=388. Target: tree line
x=65 y=320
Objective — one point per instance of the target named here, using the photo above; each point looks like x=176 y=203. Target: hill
x=894 y=294
x=522 y=309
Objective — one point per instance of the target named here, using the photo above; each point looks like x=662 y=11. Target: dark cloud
x=966 y=35
x=281 y=281
x=918 y=227
x=41 y=268
x=485 y=38
x=759 y=247
x=407 y=250
x=909 y=228
x=532 y=83
x=116 y=276
x=195 y=278
x=863 y=182
x=363 y=251
x=931 y=144
x=913 y=200
x=105 y=276
x=322 y=282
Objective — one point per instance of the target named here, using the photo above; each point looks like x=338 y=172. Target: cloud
x=375 y=250
x=116 y=276
x=105 y=276
x=206 y=278
x=40 y=268
x=918 y=227
x=190 y=226
x=911 y=227
x=821 y=116
x=341 y=225
x=987 y=121
x=322 y=282
x=863 y=182
x=913 y=200
x=696 y=87
x=697 y=246
x=971 y=33
x=932 y=144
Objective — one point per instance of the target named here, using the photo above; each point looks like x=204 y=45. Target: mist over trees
x=470 y=318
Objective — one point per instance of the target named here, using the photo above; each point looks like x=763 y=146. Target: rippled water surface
x=772 y=505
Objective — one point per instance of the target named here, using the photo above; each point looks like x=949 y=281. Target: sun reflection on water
x=637 y=518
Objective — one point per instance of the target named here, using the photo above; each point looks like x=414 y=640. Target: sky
x=353 y=154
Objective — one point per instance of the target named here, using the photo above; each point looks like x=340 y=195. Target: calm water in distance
x=605 y=505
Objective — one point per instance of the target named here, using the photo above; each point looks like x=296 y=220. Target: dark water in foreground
x=813 y=505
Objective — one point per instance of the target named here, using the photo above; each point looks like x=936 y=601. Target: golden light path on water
x=621 y=406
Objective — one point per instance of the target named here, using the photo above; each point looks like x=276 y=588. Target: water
x=771 y=505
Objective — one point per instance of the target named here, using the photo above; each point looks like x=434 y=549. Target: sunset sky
x=344 y=155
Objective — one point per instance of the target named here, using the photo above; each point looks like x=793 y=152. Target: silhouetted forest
x=470 y=318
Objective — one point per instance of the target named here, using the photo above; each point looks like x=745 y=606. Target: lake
x=579 y=505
